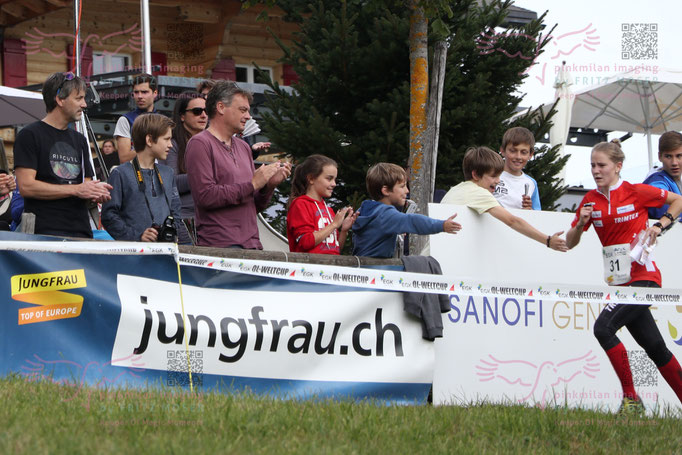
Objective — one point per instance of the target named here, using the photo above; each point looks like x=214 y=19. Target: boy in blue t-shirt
x=668 y=178
x=376 y=229
x=516 y=189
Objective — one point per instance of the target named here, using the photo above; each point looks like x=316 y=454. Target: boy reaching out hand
x=380 y=220
x=482 y=168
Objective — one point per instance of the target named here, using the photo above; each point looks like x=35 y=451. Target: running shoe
x=631 y=407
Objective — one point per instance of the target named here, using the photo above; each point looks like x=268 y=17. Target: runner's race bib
x=616 y=264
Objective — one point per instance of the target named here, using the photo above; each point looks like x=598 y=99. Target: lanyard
x=141 y=185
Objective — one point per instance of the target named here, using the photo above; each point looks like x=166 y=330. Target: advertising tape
x=390 y=280
x=90 y=247
x=377 y=279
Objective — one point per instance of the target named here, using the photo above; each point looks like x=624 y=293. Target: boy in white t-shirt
x=482 y=168
x=516 y=189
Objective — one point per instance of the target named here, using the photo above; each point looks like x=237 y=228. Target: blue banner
x=124 y=320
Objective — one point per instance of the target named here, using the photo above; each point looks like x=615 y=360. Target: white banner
x=539 y=349
x=328 y=336
x=478 y=283
x=464 y=284
x=89 y=247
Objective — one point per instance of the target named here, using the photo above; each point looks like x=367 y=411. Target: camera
x=167 y=231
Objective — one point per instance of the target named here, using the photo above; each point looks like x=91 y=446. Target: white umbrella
x=561 y=121
x=637 y=103
x=19 y=107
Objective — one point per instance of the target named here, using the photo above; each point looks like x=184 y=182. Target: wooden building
x=198 y=39
x=190 y=41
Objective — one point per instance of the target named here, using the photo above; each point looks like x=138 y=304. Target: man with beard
x=51 y=163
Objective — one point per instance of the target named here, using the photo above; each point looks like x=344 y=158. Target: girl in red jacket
x=312 y=226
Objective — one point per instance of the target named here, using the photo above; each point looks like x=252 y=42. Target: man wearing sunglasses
x=144 y=93
x=52 y=166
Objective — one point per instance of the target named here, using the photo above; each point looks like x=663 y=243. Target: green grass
x=42 y=417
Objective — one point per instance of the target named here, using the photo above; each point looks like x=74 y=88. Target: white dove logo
x=569 y=42
x=37 y=370
x=35 y=42
x=530 y=376
x=487 y=42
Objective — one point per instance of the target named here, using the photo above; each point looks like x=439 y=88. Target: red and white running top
x=619 y=216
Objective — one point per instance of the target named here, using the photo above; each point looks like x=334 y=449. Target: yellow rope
x=184 y=319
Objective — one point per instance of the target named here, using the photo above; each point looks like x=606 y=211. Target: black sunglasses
x=67 y=77
x=196 y=111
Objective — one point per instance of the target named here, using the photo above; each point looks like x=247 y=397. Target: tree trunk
x=419 y=163
x=440 y=56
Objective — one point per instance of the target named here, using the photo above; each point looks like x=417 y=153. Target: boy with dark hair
x=516 y=189
x=380 y=221
x=205 y=86
x=482 y=168
x=144 y=200
x=668 y=178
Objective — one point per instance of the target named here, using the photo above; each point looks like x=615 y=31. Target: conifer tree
x=352 y=98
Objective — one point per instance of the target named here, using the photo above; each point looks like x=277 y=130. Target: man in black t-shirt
x=52 y=166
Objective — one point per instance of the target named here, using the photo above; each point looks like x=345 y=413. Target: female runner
x=618 y=211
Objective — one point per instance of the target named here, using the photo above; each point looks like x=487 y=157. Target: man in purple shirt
x=227 y=190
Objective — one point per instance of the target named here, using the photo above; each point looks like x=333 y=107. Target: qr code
x=176 y=368
x=644 y=371
x=185 y=41
x=639 y=42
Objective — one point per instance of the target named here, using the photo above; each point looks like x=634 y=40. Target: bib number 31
x=616 y=264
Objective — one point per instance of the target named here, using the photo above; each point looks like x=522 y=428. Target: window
x=104 y=62
x=249 y=74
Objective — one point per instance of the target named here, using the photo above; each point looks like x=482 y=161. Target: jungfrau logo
x=45 y=290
